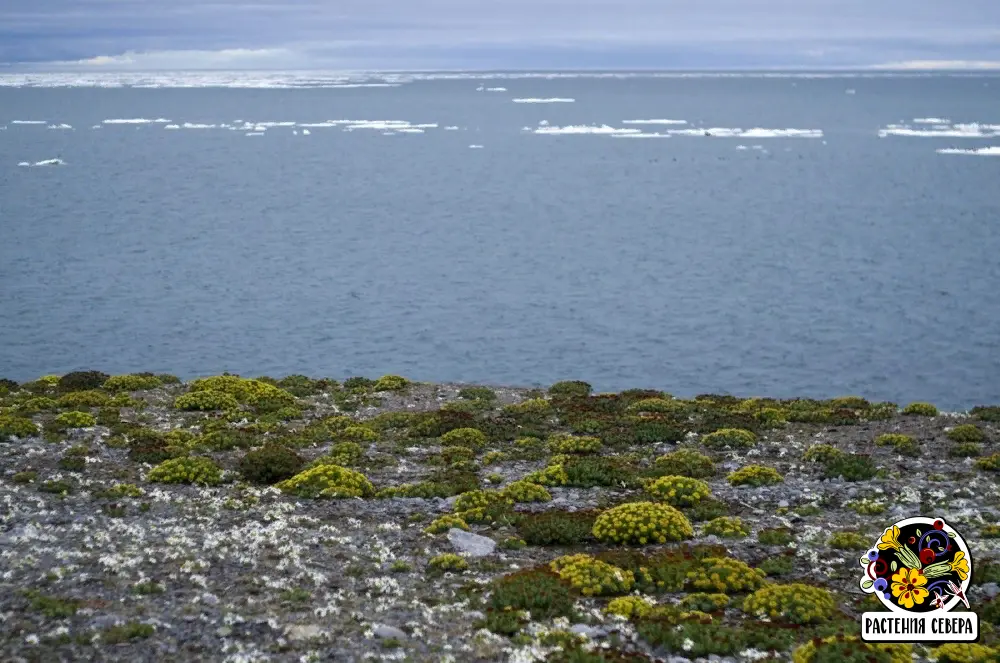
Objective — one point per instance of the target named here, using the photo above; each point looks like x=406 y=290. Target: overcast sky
x=497 y=34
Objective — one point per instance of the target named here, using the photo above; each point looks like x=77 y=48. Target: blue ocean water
x=856 y=261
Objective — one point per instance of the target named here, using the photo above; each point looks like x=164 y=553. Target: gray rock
x=593 y=632
x=304 y=631
x=389 y=632
x=991 y=589
x=784 y=504
x=472 y=544
x=223 y=631
x=475 y=615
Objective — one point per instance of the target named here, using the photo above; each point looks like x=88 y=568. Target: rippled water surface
x=858 y=254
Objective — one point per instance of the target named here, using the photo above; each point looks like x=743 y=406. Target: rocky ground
x=102 y=558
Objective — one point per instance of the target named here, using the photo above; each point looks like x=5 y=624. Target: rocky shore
x=231 y=519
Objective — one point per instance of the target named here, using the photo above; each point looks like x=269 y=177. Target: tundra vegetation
x=143 y=518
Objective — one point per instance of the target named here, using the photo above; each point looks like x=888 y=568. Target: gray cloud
x=383 y=33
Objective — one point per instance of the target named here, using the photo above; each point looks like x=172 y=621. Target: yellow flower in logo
x=908 y=587
x=960 y=565
x=890 y=539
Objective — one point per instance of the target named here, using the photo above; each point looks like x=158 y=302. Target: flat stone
x=303 y=631
x=389 y=632
x=471 y=544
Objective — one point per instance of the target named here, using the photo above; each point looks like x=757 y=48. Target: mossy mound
x=328 y=481
x=642 y=523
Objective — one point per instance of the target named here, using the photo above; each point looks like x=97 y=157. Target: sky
x=106 y=35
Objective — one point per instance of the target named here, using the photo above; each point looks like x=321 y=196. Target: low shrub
x=678 y=490
x=850 y=649
x=642 y=523
x=132 y=382
x=592 y=577
x=966 y=433
x=575 y=388
x=653 y=406
x=444 y=523
x=540 y=591
x=207 y=399
x=776 y=536
x=568 y=444
x=477 y=394
x=982 y=412
x=755 y=475
x=821 y=453
x=591 y=471
x=356 y=434
x=726 y=527
x=525 y=491
x=20 y=427
x=724 y=575
x=965 y=652
x=796 y=603
x=848 y=541
x=851 y=467
x=629 y=607
x=729 y=438
x=81 y=381
x=190 y=470
x=328 y=481
x=465 y=437
x=686 y=462
x=448 y=562
x=88 y=398
x=703 y=602
x=75 y=420
x=270 y=464
x=905 y=444
x=557 y=528
x=989 y=463
x=921 y=409
x=390 y=383
x=965 y=450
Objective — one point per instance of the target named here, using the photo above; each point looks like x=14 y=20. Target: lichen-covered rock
x=471 y=544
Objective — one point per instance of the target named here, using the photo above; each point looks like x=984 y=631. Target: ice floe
x=654 y=121
x=496 y=89
x=576 y=129
x=451 y=128
x=475 y=147
x=553 y=100
x=46 y=162
x=756 y=132
x=28 y=122
x=306 y=132
x=942 y=129
x=60 y=126
x=129 y=120
x=931 y=120
x=991 y=151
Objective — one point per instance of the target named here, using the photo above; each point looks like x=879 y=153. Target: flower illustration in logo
x=918 y=565
x=908 y=587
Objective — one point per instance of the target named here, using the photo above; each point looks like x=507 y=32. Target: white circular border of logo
x=924 y=520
